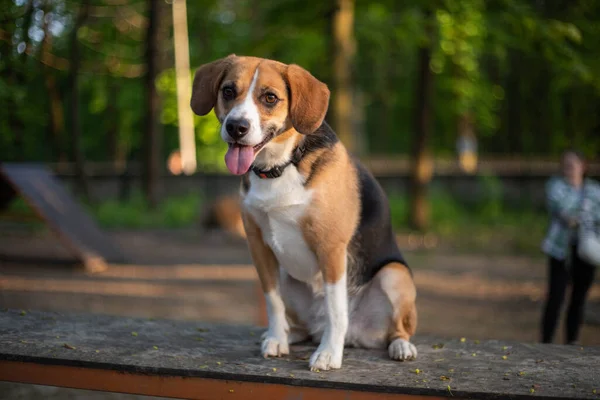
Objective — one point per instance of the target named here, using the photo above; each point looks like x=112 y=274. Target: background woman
x=574 y=207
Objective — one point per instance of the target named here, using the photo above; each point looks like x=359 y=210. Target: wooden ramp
x=48 y=197
x=201 y=361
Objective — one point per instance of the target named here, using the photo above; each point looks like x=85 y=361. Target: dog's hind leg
x=397 y=283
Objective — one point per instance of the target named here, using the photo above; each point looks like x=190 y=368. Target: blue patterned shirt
x=565 y=202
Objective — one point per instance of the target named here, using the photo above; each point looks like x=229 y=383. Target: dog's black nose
x=237 y=128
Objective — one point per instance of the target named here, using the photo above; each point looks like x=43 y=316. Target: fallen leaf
x=505 y=348
x=462 y=340
x=474 y=354
x=23 y=313
x=438 y=346
x=522 y=373
x=134 y=333
x=451 y=370
x=444 y=378
x=97 y=351
x=201 y=330
x=449 y=390
x=218 y=362
x=155 y=347
x=476 y=341
x=532 y=390
x=505 y=357
x=68 y=346
x=417 y=371
x=274 y=369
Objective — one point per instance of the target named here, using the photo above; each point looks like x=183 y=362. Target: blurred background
x=461 y=108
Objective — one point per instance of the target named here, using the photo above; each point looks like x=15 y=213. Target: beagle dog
x=317 y=222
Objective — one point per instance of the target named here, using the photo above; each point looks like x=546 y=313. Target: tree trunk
x=151 y=133
x=18 y=79
x=112 y=124
x=343 y=54
x=513 y=104
x=422 y=168
x=75 y=62
x=187 y=140
x=56 y=124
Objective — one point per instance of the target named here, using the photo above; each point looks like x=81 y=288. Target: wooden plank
x=180 y=387
x=200 y=361
x=54 y=204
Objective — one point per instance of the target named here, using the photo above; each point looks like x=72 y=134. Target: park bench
x=190 y=360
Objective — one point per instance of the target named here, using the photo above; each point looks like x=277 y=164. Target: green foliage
x=526 y=73
x=489 y=225
x=173 y=212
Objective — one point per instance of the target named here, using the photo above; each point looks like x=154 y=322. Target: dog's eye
x=228 y=93
x=270 y=98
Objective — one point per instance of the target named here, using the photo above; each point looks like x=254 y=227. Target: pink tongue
x=239 y=158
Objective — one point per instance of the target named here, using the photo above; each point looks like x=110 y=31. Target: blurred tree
x=56 y=124
x=73 y=84
x=343 y=48
x=421 y=164
x=151 y=129
x=185 y=117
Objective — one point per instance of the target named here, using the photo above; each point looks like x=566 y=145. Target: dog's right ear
x=206 y=84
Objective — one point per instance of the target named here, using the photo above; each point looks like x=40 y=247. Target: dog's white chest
x=278 y=206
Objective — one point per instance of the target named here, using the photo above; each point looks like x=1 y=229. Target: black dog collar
x=277 y=171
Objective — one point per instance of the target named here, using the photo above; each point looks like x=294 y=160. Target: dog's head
x=256 y=100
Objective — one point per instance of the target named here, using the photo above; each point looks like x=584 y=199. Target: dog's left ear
x=205 y=89
x=309 y=99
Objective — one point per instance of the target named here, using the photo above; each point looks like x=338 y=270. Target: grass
x=172 y=212
x=488 y=226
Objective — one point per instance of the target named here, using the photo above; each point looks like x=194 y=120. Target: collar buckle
x=277 y=171
x=274 y=172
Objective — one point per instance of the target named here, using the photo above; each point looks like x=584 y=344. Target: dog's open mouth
x=239 y=157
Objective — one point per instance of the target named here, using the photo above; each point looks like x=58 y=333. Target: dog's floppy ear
x=206 y=84
x=309 y=99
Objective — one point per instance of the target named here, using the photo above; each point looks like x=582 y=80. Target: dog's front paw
x=274 y=347
x=402 y=350
x=325 y=359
